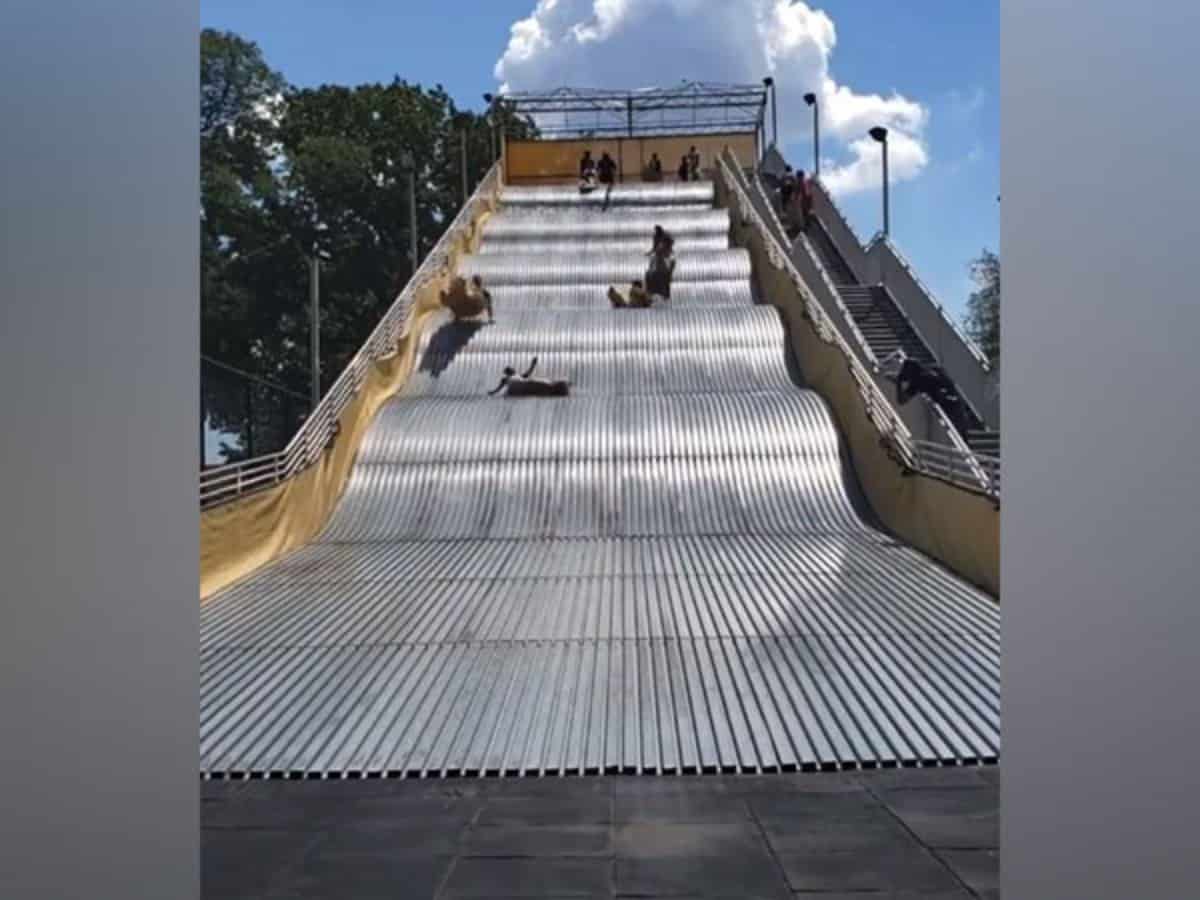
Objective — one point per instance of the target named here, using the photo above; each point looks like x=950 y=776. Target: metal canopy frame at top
x=592 y=112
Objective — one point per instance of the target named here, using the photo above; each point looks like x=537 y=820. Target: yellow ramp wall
x=958 y=528
x=240 y=537
x=556 y=161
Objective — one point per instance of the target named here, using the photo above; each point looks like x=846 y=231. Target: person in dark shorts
x=932 y=381
x=693 y=161
x=607 y=170
x=661 y=269
x=525 y=386
x=660 y=236
x=653 y=169
x=682 y=171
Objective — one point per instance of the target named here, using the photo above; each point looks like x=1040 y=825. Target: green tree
x=283 y=169
x=982 y=320
x=240 y=100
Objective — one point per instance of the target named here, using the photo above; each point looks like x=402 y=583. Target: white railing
x=958 y=466
x=840 y=231
x=952 y=465
x=819 y=276
x=221 y=484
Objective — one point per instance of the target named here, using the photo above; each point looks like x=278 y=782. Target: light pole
x=314 y=292
x=880 y=134
x=463 y=135
x=811 y=100
x=315 y=258
x=769 y=83
x=408 y=163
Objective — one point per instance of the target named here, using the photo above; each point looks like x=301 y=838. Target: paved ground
x=892 y=833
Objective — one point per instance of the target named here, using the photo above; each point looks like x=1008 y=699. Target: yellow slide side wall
x=958 y=528
x=239 y=537
x=553 y=162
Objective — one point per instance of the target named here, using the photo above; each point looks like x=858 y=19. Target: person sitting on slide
x=467 y=300
x=524 y=386
x=635 y=298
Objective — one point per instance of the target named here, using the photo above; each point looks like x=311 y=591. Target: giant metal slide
x=669 y=571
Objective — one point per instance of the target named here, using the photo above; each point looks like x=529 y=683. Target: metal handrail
x=865 y=351
x=963 y=468
x=879 y=410
x=953 y=465
x=221 y=484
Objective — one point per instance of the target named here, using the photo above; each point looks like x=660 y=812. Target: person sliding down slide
x=467 y=301
x=524 y=386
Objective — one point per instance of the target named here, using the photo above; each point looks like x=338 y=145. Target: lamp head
x=768 y=81
x=810 y=98
x=879 y=133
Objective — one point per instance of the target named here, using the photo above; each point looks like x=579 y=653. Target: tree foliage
x=283 y=169
x=982 y=319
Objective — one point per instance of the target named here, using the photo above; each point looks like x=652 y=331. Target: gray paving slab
x=747 y=875
x=489 y=877
x=978 y=869
x=380 y=876
x=684 y=807
x=949 y=818
x=243 y=864
x=538 y=841
x=651 y=840
x=823 y=835
x=548 y=809
x=909 y=868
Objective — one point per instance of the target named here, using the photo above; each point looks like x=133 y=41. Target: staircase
x=984 y=442
x=884 y=327
x=839 y=272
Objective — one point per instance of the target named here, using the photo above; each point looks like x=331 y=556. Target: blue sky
x=940 y=56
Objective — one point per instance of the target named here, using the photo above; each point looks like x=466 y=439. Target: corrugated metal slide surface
x=668 y=571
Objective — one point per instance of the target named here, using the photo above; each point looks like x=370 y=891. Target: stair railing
x=952 y=464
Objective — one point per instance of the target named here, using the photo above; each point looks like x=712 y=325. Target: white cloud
x=640 y=43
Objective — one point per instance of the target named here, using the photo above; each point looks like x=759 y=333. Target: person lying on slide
x=524 y=386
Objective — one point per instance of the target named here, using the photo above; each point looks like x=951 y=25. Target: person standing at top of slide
x=608 y=175
x=607 y=168
x=587 y=172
